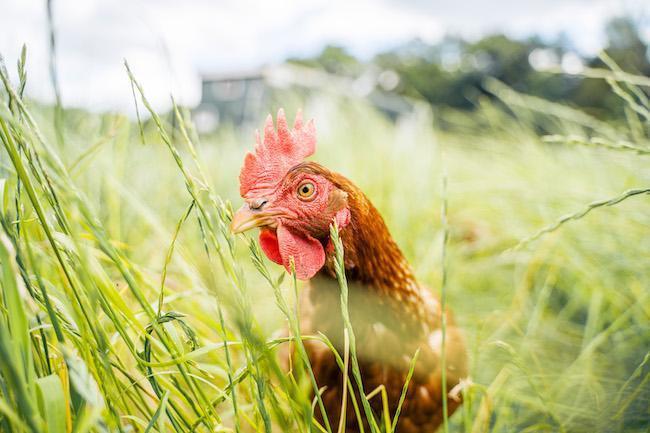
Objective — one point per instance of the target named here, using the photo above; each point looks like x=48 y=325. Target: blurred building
x=239 y=98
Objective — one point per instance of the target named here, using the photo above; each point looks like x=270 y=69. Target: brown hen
x=293 y=203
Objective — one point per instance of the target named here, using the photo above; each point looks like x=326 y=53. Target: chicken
x=293 y=202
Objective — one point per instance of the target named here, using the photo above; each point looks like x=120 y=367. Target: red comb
x=279 y=152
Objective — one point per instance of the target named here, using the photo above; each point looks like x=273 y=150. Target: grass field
x=128 y=306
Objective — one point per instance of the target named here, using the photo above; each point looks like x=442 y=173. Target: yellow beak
x=246 y=218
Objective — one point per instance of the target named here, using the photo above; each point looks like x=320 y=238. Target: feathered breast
x=392 y=316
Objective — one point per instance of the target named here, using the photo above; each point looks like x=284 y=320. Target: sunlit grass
x=127 y=305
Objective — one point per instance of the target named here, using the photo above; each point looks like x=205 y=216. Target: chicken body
x=385 y=355
x=294 y=202
x=392 y=317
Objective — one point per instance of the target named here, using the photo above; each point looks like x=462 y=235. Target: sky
x=171 y=43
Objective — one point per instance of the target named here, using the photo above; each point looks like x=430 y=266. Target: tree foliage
x=452 y=72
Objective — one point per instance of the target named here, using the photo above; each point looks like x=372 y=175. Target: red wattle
x=269 y=244
x=307 y=253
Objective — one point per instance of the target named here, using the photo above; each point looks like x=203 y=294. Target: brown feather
x=392 y=316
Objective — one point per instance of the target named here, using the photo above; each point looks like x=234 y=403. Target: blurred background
x=227 y=58
x=536 y=111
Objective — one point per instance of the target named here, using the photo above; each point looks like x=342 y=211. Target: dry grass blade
x=356 y=372
x=597 y=142
x=578 y=215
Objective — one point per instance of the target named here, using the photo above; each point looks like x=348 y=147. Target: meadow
x=127 y=305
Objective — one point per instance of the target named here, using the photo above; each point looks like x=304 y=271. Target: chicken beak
x=246 y=218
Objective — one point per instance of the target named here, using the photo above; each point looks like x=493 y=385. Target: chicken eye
x=306 y=191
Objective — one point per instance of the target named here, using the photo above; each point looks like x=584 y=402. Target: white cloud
x=170 y=43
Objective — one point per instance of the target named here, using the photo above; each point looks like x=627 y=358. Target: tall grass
x=127 y=305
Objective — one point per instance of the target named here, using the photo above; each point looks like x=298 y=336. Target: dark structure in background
x=234 y=98
x=239 y=98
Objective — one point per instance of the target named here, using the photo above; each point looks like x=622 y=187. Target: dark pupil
x=305 y=189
